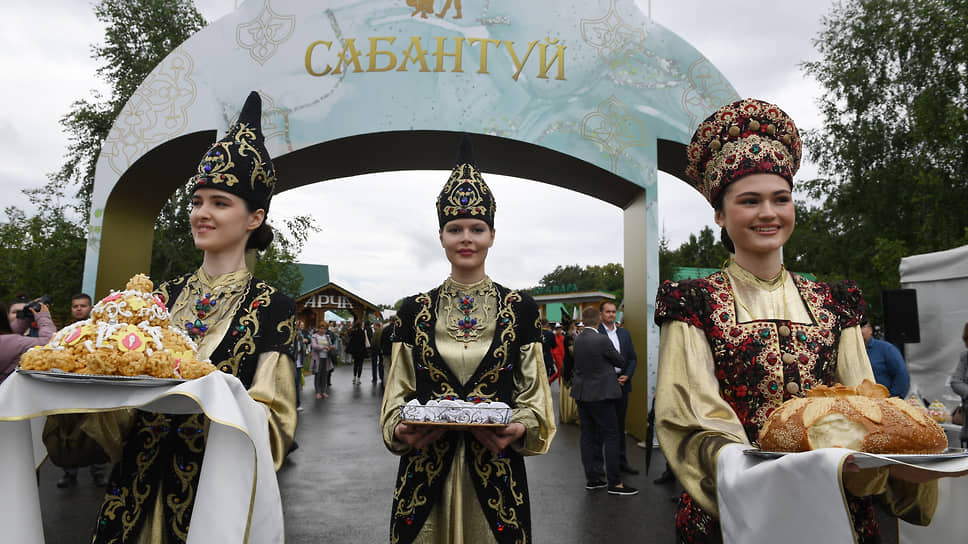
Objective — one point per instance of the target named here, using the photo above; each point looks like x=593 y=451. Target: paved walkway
x=338 y=485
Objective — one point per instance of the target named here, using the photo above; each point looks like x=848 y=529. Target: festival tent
x=331 y=317
x=941 y=282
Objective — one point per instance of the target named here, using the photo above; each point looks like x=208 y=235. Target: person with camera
x=13 y=343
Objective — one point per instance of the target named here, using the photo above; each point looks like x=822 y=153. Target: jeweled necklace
x=467 y=324
x=204 y=305
x=471 y=308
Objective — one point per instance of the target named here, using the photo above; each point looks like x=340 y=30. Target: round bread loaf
x=865 y=418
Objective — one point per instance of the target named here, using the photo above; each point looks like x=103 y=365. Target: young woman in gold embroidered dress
x=469 y=339
x=736 y=344
x=242 y=324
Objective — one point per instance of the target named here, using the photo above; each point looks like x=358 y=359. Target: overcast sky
x=378 y=243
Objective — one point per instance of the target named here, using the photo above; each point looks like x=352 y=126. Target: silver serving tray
x=910 y=458
x=59 y=376
x=441 y=409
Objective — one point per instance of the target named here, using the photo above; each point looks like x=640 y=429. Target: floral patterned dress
x=733 y=348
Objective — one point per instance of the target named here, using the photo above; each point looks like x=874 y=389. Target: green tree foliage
x=138 y=35
x=276 y=264
x=44 y=252
x=894 y=140
x=608 y=277
x=40 y=254
x=702 y=251
x=173 y=252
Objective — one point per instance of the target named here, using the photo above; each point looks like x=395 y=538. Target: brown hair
x=591 y=316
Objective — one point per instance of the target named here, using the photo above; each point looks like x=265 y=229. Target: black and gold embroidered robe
x=151 y=490
x=455 y=490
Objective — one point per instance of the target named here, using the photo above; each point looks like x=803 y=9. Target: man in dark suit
x=622 y=341
x=595 y=388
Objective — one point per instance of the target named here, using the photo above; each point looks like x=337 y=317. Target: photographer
x=12 y=343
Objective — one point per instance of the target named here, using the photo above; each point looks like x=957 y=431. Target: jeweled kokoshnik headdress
x=746 y=137
x=239 y=163
x=465 y=195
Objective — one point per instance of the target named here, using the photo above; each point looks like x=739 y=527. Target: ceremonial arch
x=590 y=95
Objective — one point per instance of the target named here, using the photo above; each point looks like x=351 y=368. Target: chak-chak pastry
x=129 y=334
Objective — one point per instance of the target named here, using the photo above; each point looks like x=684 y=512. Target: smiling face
x=758 y=214
x=465 y=242
x=221 y=221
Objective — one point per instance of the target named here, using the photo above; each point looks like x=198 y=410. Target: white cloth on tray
x=238 y=496
x=796 y=498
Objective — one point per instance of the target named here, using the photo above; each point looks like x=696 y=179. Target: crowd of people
x=319 y=350
x=471 y=338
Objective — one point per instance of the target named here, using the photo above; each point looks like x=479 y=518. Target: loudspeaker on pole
x=901 y=316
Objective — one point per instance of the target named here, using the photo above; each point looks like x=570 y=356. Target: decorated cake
x=129 y=333
x=456 y=411
x=865 y=418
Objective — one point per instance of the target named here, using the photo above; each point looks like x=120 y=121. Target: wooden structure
x=582 y=299
x=311 y=307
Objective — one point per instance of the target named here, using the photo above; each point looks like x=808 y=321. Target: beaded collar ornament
x=746 y=137
x=465 y=195
x=203 y=306
x=209 y=306
x=467 y=309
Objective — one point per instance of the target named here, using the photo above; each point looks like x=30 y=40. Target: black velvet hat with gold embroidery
x=239 y=163
x=746 y=137
x=465 y=195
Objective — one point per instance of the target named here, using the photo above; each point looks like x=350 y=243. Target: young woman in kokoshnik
x=740 y=342
x=470 y=339
x=242 y=324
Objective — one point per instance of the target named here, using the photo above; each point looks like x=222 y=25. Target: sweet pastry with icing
x=865 y=418
x=129 y=333
x=456 y=411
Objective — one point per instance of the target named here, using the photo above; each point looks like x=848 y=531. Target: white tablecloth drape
x=238 y=495
x=799 y=497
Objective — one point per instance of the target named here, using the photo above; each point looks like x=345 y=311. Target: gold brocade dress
x=567 y=407
x=249 y=334
x=732 y=348
x=458 y=517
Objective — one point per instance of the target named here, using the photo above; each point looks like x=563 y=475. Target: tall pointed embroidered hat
x=465 y=195
x=239 y=163
x=746 y=137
